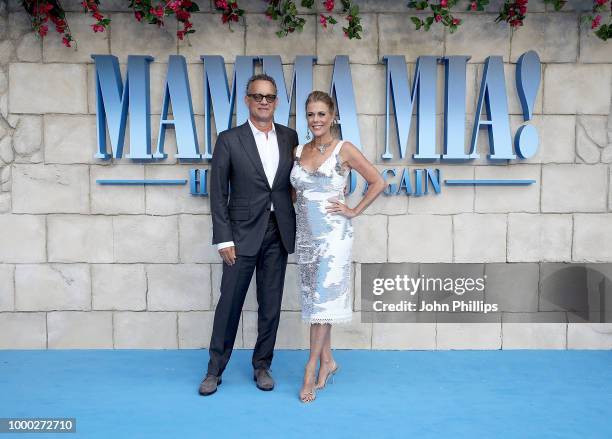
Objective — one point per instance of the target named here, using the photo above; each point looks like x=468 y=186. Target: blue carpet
x=376 y=394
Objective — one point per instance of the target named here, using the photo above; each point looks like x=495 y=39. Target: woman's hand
x=340 y=208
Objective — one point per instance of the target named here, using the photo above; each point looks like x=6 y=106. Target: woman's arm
x=353 y=158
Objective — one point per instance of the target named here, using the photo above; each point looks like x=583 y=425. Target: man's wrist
x=222 y=245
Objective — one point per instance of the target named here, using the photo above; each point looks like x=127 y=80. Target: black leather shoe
x=263 y=379
x=209 y=384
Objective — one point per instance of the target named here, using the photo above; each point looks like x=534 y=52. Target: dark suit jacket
x=241 y=214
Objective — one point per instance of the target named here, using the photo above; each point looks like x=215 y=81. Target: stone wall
x=89 y=266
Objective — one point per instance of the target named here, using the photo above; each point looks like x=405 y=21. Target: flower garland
x=603 y=31
x=44 y=13
x=230 y=11
x=440 y=13
x=512 y=12
x=154 y=12
x=286 y=13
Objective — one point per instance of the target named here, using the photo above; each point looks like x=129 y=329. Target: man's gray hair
x=261 y=77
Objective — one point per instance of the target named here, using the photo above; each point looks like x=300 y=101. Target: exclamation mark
x=527 y=84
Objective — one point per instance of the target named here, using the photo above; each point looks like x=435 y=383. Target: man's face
x=262 y=111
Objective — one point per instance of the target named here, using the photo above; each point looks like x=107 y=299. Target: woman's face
x=319 y=118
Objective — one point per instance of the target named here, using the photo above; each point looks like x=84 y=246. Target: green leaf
x=416 y=20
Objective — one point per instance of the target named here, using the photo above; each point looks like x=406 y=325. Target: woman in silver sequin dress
x=324 y=236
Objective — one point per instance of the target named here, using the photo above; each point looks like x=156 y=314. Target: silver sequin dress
x=324 y=241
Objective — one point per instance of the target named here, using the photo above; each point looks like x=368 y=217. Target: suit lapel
x=250 y=147
x=283 y=153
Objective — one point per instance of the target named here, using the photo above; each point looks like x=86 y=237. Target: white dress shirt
x=267 y=146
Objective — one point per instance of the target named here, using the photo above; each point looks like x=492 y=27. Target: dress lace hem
x=329 y=320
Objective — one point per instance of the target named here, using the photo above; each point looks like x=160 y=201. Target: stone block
x=173 y=199
x=420 y=238
x=27 y=139
x=533 y=335
x=499 y=199
x=479 y=238
x=51 y=287
x=473 y=336
x=80 y=330
x=70 y=139
x=591 y=138
x=589 y=336
x=592 y=97
x=592 y=48
x=62 y=91
x=261 y=39
x=195 y=232
x=533 y=238
x=513 y=287
x=212 y=37
x=23 y=238
x=23 y=330
x=79 y=238
x=413 y=336
x=451 y=199
x=592 y=238
x=399 y=37
x=361 y=51
x=7 y=287
x=182 y=287
x=50 y=189
x=117 y=199
x=87 y=42
x=574 y=188
x=370 y=238
x=152 y=40
x=554 y=37
x=145 y=330
x=493 y=38
x=119 y=287
x=143 y=238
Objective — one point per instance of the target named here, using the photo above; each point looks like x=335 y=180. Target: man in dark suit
x=253 y=227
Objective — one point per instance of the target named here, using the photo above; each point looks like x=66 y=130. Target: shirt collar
x=257 y=131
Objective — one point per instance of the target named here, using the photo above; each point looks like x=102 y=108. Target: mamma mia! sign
x=116 y=99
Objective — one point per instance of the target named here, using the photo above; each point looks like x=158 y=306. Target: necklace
x=323 y=147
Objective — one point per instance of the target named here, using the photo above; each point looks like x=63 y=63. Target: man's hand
x=229 y=255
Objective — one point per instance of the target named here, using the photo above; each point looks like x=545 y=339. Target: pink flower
x=323 y=21
x=97 y=16
x=474 y=6
x=596 y=22
x=523 y=10
x=182 y=15
x=456 y=21
x=97 y=27
x=329 y=5
x=180 y=34
x=444 y=3
x=42 y=30
x=601 y=2
x=158 y=12
x=221 y=4
x=66 y=42
x=138 y=15
x=438 y=18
